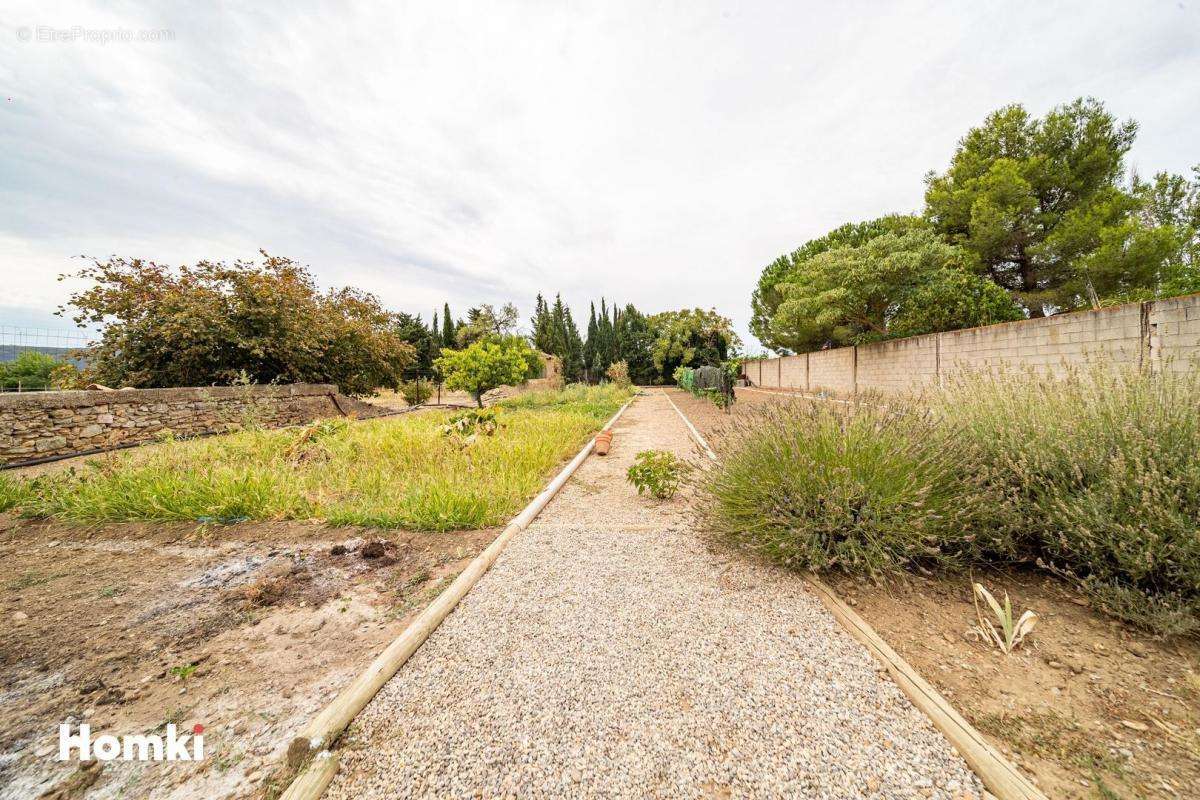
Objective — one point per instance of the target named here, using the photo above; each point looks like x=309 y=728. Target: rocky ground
x=612 y=653
x=244 y=629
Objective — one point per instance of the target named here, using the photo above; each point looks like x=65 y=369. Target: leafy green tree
x=1172 y=202
x=214 y=322
x=634 y=343
x=484 y=365
x=487 y=321
x=891 y=285
x=29 y=370
x=690 y=338
x=767 y=296
x=606 y=339
x=1030 y=198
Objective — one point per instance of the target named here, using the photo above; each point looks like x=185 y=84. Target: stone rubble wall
x=1159 y=334
x=42 y=424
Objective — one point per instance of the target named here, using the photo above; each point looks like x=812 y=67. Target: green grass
x=12 y=492
x=388 y=473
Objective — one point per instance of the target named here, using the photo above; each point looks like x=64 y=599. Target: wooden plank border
x=999 y=775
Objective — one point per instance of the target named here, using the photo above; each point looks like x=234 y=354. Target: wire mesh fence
x=59 y=344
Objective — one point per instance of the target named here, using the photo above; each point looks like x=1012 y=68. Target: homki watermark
x=48 y=34
x=131 y=747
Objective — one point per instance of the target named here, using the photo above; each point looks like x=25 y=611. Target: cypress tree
x=564 y=340
x=448 y=328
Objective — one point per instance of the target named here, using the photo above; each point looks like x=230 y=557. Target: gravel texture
x=611 y=653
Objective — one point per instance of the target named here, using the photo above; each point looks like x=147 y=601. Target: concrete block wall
x=769 y=373
x=1049 y=344
x=1174 y=333
x=793 y=370
x=37 y=425
x=899 y=365
x=1160 y=334
x=832 y=370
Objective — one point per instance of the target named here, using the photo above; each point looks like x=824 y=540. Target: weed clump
x=658 y=472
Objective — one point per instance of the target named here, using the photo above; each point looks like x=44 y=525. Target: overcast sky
x=655 y=153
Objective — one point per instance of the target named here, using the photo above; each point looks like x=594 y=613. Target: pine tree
x=437 y=337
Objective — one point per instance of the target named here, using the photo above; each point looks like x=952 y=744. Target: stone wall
x=41 y=424
x=1160 y=334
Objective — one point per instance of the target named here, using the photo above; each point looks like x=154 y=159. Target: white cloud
x=659 y=154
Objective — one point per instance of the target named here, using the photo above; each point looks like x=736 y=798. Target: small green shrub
x=417 y=391
x=719 y=399
x=484 y=365
x=862 y=489
x=658 y=472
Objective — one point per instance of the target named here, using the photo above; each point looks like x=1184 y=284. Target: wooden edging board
x=309 y=750
x=999 y=776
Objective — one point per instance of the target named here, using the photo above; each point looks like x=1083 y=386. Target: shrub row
x=1093 y=476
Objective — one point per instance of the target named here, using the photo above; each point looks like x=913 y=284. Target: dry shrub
x=863 y=489
x=265 y=592
x=1093 y=475
x=1096 y=475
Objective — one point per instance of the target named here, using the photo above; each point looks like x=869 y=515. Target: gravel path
x=611 y=653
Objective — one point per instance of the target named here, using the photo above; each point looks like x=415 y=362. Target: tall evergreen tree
x=541 y=325
x=411 y=329
x=437 y=337
x=565 y=342
x=448 y=327
x=606 y=349
x=634 y=345
x=589 y=345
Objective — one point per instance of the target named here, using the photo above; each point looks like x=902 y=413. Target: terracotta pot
x=603 y=442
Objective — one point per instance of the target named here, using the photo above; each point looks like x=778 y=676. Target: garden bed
x=395 y=472
x=1091 y=707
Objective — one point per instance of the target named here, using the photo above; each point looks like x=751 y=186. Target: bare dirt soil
x=247 y=630
x=1090 y=708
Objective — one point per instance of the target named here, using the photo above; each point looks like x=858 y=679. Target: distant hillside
x=9 y=352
